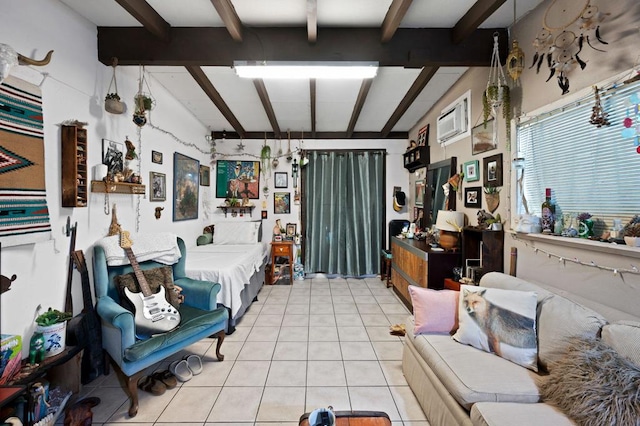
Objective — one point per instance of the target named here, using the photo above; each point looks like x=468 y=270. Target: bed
x=234 y=257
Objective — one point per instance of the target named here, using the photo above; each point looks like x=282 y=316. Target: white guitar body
x=153 y=314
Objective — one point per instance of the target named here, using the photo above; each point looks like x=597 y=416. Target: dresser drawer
x=282 y=249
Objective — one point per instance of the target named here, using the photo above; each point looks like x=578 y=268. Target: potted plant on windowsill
x=53 y=324
x=631 y=232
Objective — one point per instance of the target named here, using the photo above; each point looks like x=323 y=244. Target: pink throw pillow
x=434 y=311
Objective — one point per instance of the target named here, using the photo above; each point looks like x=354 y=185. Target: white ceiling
x=291 y=100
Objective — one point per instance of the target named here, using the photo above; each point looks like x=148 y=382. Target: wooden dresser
x=415 y=263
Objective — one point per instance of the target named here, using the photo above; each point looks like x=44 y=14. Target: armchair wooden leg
x=220 y=335
x=132 y=388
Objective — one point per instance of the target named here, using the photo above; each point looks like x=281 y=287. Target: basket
x=114 y=106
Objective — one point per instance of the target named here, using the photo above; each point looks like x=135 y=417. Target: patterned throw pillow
x=499 y=321
x=434 y=311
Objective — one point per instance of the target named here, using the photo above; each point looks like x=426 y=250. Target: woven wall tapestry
x=24 y=216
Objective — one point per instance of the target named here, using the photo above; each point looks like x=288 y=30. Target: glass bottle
x=548 y=214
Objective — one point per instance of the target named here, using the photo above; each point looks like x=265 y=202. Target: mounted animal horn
x=9 y=58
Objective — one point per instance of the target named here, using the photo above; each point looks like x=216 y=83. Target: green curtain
x=343 y=212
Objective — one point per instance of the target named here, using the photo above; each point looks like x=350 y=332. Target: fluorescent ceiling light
x=289 y=70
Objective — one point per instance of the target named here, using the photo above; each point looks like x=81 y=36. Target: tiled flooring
x=315 y=343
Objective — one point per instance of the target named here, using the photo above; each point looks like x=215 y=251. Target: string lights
x=564 y=259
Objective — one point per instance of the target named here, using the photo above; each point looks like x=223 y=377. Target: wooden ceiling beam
x=148 y=17
x=266 y=104
x=393 y=18
x=319 y=135
x=230 y=18
x=198 y=46
x=203 y=81
x=474 y=17
x=313 y=101
x=420 y=82
x=357 y=108
x=312 y=21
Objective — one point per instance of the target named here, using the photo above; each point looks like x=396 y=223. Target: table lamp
x=450 y=224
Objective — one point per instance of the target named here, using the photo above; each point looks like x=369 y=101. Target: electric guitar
x=153 y=314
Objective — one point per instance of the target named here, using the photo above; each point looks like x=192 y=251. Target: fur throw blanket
x=594 y=385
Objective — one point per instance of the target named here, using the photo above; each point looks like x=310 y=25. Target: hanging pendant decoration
x=497 y=94
x=558 y=44
x=143 y=101
x=631 y=123
x=598 y=115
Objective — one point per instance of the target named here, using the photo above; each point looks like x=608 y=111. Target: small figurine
x=36 y=348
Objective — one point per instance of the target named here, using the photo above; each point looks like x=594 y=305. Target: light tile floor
x=315 y=343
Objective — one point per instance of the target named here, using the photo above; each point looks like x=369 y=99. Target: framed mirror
x=434 y=198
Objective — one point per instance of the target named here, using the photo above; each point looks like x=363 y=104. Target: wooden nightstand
x=281 y=249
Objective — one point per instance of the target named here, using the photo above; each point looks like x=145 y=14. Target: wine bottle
x=548 y=213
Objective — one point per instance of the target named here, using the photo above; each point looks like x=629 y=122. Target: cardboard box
x=10 y=356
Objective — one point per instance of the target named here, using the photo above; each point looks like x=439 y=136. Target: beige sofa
x=458 y=384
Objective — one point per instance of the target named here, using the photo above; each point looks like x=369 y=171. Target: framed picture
x=237 y=179
x=264 y=214
x=473 y=197
x=281 y=202
x=419 y=200
x=205 y=175
x=471 y=172
x=186 y=176
x=292 y=229
x=280 y=180
x=423 y=136
x=493 y=170
x=158 y=185
x=482 y=138
x=113 y=156
x=156 y=157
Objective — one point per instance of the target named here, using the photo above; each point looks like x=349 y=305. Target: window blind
x=589 y=169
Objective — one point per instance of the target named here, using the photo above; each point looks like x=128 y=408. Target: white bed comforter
x=230 y=265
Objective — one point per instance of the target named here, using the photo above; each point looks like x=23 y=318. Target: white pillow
x=236 y=233
x=499 y=321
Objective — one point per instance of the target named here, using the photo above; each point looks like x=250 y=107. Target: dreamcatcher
x=558 y=43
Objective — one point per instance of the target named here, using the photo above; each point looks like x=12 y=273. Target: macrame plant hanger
x=496 y=85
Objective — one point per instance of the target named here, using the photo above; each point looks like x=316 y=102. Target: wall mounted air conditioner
x=453 y=122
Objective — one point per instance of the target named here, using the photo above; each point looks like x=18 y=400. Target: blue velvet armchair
x=200 y=318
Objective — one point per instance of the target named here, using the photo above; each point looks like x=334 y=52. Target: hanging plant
x=265 y=156
x=497 y=94
x=144 y=102
x=112 y=101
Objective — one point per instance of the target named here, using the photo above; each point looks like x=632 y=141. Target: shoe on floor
x=181 y=370
x=195 y=364
x=149 y=384
x=397 y=330
x=166 y=377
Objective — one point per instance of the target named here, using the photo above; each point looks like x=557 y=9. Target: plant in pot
x=494 y=223
x=144 y=102
x=492 y=197
x=497 y=94
x=53 y=324
x=113 y=104
x=631 y=232
x=265 y=155
x=585 y=225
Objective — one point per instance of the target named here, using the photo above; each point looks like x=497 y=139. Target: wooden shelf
x=416 y=158
x=74 y=166
x=117 y=187
x=237 y=209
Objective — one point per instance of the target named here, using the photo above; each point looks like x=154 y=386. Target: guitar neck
x=142 y=282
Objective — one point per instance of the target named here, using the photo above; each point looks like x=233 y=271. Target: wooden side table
x=281 y=249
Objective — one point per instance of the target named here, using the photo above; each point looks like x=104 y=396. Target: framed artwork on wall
x=264 y=214
x=291 y=229
x=113 y=156
x=281 y=202
x=186 y=176
x=205 y=175
x=423 y=136
x=471 y=172
x=280 y=180
x=492 y=170
x=419 y=200
x=473 y=197
x=482 y=138
x=156 y=157
x=237 y=179
x=158 y=186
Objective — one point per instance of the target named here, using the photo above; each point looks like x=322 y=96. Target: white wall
x=75 y=89
x=594 y=286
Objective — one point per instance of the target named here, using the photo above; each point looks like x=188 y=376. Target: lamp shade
x=448 y=220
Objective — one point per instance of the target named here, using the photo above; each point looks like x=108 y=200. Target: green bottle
x=548 y=214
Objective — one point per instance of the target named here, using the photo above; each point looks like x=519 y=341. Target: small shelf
x=237 y=209
x=117 y=187
x=416 y=158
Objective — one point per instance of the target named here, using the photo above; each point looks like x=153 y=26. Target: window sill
x=580 y=243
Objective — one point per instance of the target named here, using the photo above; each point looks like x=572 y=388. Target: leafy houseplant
x=52 y=325
x=585 y=225
x=492 y=196
x=143 y=102
x=493 y=98
x=52 y=316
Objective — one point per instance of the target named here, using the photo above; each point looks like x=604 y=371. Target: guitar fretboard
x=142 y=281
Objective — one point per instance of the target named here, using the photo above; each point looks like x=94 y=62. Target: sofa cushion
x=471 y=375
x=511 y=413
x=594 y=385
x=204 y=239
x=624 y=337
x=499 y=321
x=434 y=311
